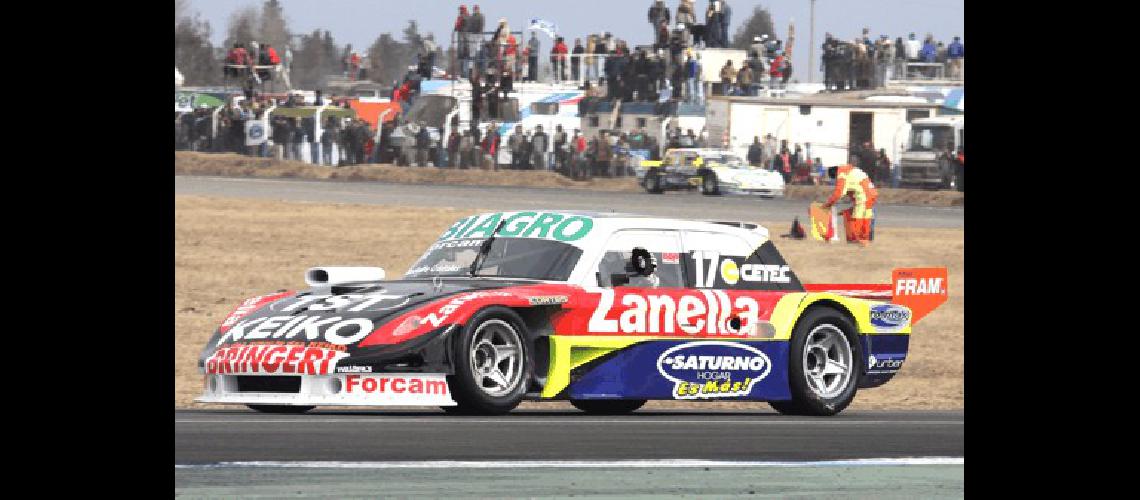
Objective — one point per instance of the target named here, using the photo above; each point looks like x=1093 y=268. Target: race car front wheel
x=823 y=365
x=286 y=409
x=492 y=363
x=607 y=406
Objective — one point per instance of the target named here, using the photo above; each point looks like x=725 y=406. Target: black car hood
x=340 y=314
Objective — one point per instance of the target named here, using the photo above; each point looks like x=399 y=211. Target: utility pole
x=811 y=45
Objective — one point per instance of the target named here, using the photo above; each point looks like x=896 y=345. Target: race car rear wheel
x=607 y=406
x=823 y=366
x=492 y=363
x=653 y=182
x=285 y=409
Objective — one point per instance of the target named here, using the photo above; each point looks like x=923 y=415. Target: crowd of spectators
x=666 y=70
x=342 y=141
x=798 y=166
x=795 y=164
x=765 y=67
x=865 y=64
x=257 y=63
x=573 y=154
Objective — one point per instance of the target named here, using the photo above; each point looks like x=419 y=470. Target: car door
x=688 y=162
x=627 y=308
x=671 y=161
x=749 y=276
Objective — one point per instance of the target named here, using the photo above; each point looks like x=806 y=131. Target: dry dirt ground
x=228 y=249
x=234 y=165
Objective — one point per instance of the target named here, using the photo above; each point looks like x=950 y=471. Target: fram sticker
x=921 y=289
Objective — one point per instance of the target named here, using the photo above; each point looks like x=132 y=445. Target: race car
x=713 y=171
x=604 y=310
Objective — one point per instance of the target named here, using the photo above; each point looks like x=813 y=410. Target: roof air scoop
x=331 y=275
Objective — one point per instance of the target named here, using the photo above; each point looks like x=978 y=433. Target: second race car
x=712 y=171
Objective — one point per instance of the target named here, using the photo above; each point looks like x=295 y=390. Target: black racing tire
x=710 y=185
x=653 y=182
x=805 y=400
x=456 y=410
x=281 y=409
x=471 y=395
x=608 y=406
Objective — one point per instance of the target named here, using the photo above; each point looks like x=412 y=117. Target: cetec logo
x=713 y=369
x=729 y=271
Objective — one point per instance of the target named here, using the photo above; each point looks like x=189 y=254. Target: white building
x=829 y=122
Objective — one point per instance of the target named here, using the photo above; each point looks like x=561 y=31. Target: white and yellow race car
x=712 y=171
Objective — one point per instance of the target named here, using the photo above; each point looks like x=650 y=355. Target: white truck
x=927 y=160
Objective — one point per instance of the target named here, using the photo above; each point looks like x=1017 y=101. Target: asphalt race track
x=211 y=436
x=674 y=204
x=535 y=453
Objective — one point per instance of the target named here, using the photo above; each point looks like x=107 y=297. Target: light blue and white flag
x=544 y=26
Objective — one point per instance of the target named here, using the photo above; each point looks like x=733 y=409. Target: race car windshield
x=731 y=161
x=507 y=258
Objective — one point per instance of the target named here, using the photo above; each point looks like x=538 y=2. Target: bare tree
x=315 y=57
x=759 y=23
x=380 y=56
x=193 y=53
x=390 y=58
x=273 y=29
x=181 y=7
x=243 y=26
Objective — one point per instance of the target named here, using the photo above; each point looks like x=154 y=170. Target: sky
x=359 y=22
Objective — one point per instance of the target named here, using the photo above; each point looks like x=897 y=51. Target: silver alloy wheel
x=710 y=184
x=827 y=361
x=496 y=357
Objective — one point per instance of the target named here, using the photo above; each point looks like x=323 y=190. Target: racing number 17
x=705 y=279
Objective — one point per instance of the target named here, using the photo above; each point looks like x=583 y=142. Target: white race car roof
x=588 y=229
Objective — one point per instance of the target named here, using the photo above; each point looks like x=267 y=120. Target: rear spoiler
x=921 y=289
x=869 y=291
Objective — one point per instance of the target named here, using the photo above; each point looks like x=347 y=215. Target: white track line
x=582 y=464
x=430 y=420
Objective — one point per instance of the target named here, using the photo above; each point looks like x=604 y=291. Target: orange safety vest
x=850 y=180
